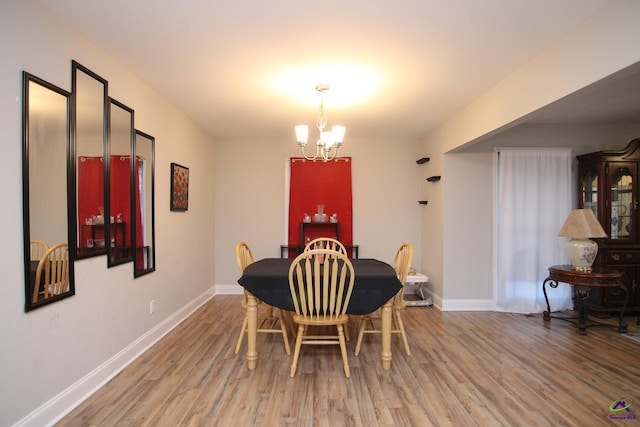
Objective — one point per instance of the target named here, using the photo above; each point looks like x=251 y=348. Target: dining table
x=375 y=285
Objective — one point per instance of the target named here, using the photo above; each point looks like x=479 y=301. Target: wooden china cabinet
x=608 y=184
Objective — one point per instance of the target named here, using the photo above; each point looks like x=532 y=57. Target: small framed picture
x=179 y=187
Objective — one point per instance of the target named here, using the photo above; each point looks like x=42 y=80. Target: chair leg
x=296 y=352
x=398 y=318
x=285 y=336
x=291 y=326
x=343 y=349
x=362 y=325
x=242 y=330
x=346 y=330
x=355 y=325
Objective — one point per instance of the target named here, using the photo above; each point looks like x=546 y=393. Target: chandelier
x=328 y=141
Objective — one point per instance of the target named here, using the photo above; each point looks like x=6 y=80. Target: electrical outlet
x=152 y=306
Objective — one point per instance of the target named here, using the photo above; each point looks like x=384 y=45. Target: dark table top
x=596 y=277
x=375 y=283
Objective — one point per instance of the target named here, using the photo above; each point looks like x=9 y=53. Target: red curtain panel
x=90 y=191
x=120 y=173
x=90 y=194
x=316 y=183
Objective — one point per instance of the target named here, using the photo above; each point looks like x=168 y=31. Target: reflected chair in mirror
x=273 y=322
x=326 y=243
x=52 y=274
x=38 y=249
x=321 y=283
x=368 y=323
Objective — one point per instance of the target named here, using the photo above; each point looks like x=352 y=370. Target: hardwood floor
x=466 y=369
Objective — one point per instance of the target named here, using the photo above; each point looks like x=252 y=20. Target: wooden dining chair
x=368 y=323
x=52 y=274
x=334 y=245
x=273 y=322
x=326 y=243
x=321 y=283
x=38 y=249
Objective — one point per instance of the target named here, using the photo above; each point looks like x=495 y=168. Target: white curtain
x=534 y=188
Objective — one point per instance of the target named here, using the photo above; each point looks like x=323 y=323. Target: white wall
x=467 y=225
x=251 y=199
x=241 y=185
x=72 y=345
x=598 y=48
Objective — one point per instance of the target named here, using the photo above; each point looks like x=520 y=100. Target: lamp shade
x=302 y=132
x=580 y=225
x=338 y=134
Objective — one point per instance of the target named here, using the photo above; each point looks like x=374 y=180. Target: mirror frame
x=139 y=260
x=28 y=79
x=112 y=226
x=73 y=205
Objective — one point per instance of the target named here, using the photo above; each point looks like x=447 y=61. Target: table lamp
x=581 y=225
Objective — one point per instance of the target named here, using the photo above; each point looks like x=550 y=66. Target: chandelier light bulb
x=328 y=141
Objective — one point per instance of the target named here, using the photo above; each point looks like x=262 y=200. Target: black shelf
x=423 y=160
x=434 y=178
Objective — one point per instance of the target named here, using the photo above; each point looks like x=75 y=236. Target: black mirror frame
x=137 y=254
x=111 y=227
x=73 y=203
x=27 y=79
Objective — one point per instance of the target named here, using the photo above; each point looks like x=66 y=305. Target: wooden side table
x=582 y=283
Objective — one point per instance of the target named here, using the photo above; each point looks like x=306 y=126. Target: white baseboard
x=56 y=408
x=460 y=304
x=443 y=305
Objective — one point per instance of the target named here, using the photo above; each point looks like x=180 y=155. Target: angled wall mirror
x=119 y=169
x=143 y=201
x=47 y=192
x=88 y=184
x=89 y=115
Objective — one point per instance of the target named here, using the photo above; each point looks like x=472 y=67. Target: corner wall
x=598 y=48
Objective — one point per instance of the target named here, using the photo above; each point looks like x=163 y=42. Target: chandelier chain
x=322 y=120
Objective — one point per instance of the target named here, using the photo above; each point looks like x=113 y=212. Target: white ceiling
x=396 y=68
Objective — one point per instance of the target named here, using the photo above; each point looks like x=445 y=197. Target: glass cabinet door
x=621 y=201
x=589 y=190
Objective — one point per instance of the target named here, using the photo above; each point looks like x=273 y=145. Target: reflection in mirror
x=118 y=215
x=49 y=275
x=144 y=202
x=89 y=113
